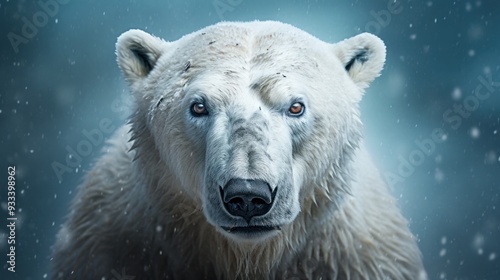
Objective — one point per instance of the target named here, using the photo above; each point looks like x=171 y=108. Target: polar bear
x=243 y=160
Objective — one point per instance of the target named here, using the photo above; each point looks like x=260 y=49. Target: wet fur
x=135 y=214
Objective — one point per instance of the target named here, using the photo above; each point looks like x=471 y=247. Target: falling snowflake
x=456 y=94
x=443 y=240
x=474 y=132
x=490 y=157
x=442 y=253
x=492 y=257
x=439 y=176
x=468 y=7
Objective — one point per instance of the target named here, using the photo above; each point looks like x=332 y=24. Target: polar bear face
x=252 y=119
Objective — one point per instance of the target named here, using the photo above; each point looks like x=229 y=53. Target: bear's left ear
x=363 y=57
x=137 y=53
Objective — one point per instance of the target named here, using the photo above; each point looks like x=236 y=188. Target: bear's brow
x=265 y=84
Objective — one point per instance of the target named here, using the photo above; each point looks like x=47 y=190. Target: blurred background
x=432 y=120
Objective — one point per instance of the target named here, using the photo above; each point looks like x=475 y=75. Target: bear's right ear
x=363 y=57
x=137 y=53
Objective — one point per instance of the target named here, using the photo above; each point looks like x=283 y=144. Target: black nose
x=247 y=198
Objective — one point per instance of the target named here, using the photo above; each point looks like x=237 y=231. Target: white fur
x=362 y=73
x=151 y=204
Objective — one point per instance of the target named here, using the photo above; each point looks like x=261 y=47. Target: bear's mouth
x=252 y=231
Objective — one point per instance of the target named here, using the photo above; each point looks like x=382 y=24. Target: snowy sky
x=432 y=120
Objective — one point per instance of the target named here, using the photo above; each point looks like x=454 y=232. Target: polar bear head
x=251 y=119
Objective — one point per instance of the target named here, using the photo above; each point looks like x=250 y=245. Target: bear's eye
x=296 y=109
x=199 y=109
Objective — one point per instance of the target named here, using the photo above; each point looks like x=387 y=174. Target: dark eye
x=296 y=109
x=199 y=109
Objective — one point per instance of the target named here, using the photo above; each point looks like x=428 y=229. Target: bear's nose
x=247 y=198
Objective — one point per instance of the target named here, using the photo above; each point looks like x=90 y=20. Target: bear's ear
x=137 y=53
x=363 y=57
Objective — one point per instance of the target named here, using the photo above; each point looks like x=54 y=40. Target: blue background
x=63 y=81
